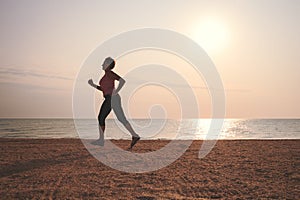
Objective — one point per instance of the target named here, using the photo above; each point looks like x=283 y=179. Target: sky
x=254 y=45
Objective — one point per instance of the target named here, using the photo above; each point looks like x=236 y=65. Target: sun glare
x=211 y=35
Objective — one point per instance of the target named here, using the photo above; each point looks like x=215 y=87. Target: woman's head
x=108 y=64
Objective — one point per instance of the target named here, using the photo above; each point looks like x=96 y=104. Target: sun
x=212 y=35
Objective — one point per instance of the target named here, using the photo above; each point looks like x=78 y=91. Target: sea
x=164 y=129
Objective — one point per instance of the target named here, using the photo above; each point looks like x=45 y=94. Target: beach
x=234 y=169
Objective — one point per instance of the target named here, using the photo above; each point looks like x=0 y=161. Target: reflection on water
x=153 y=129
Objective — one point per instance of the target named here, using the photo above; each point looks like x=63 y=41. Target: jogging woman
x=112 y=100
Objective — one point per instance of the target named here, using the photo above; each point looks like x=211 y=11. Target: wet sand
x=235 y=169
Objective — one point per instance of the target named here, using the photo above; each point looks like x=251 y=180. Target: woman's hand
x=115 y=92
x=121 y=84
x=98 y=87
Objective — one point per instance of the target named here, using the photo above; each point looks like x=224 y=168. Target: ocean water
x=152 y=129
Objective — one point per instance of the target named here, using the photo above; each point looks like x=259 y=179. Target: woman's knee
x=122 y=119
x=101 y=120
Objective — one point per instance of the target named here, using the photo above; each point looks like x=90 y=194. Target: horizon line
x=3 y=118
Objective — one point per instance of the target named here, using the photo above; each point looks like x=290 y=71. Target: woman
x=112 y=100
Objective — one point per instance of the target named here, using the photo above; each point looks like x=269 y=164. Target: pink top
x=107 y=82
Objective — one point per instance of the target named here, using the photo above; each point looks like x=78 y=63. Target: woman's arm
x=94 y=85
x=121 y=84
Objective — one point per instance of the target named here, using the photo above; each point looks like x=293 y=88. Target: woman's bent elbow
x=122 y=81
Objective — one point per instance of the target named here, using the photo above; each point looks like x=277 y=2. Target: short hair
x=111 y=62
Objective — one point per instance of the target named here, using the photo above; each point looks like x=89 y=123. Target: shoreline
x=159 y=139
x=63 y=168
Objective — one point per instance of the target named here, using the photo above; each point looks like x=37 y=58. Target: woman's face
x=105 y=66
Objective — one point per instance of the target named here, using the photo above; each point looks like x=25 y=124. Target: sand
x=236 y=169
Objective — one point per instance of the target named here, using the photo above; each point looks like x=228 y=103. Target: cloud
x=14 y=86
x=25 y=72
x=138 y=81
x=10 y=78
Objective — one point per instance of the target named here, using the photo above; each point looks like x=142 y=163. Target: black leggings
x=111 y=103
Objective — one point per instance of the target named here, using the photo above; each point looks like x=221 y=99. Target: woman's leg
x=118 y=110
x=104 y=112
